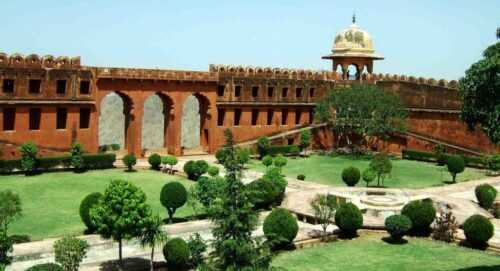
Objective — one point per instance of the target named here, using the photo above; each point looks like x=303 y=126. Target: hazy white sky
x=422 y=38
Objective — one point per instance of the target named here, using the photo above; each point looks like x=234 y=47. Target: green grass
x=371 y=253
x=405 y=173
x=51 y=201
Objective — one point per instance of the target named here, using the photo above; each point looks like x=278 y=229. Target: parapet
x=453 y=84
x=273 y=73
x=35 y=61
x=155 y=74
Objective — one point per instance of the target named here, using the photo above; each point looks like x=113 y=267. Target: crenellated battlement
x=453 y=84
x=35 y=61
x=274 y=73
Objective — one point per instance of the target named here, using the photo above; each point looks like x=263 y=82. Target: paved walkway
x=460 y=197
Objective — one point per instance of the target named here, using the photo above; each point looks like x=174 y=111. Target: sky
x=428 y=38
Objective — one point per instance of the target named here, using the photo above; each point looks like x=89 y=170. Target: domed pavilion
x=353 y=46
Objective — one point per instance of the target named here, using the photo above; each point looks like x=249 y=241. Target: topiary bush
x=173 y=195
x=194 y=169
x=262 y=146
x=421 y=213
x=368 y=176
x=485 y=195
x=129 y=160
x=154 y=161
x=243 y=155
x=267 y=161
x=28 y=151
x=456 y=165
x=76 y=157
x=301 y=177
x=280 y=161
x=397 y=226
x=170 y=161
x=349 y=219
x=493 y=163
x=213 y=171
x=45 y=267
x=280 y=228
x=350 y=176
x=478 y=230
x=176 y=252
x=263 y=193
x=220 y=155
x=87 y=203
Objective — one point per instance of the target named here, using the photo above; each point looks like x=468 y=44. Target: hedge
x=91 y=161
x=470 y=161
x=283 y=149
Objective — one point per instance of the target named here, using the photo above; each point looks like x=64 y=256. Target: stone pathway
x=298 y=196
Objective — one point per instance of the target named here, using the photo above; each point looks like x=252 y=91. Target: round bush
x=194 y=169
x=263 y=193
x=455 y=164
x=397 y=226
x=221 y=155
x=486 y=195
x=478 y=230
x=280 y=227
x=45 y=267
x=213 y=171
x=350 y=176
x=267 y=160
x=155 y=161
x=176 y=252
x=349 y=218
x=301 y=177
x=369 y=175
x=87 y=203
x=421 y=213
x=173 y=195
x=129 y=160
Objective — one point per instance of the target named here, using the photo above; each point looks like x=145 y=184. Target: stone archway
x=195 y=121
x=155 y=121
x=113 y=120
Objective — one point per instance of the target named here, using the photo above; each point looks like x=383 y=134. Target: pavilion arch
x=156 y=118
x=353 y=72
x=114 y=119
x=195 y=123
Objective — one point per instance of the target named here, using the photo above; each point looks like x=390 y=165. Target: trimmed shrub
x=87 y=203
x=76 y=156
x=280 y=161
x=206 y=190
x=382 y=166
x=221 y=155
x=262 y=146
x=280 y=228
x=69 y=252
x=493 y=162
x=28 y=152
x=194 y=169
x=478 y=230
x=292 y=150
x=267 y=160
x=418 y=155
x=176 y=252
x=243 y=155
x=213 y=171
x=263 y=193
x=99 y=161
x=397 y=226
x=45 y=267
x=7 y=166
x=173 y=195
x=48 y=163
x=301 y=177
x=456 y=165
x=350 y=176
x=155 y=161
x=421 y=213
x=349 y=219
x=368 y=176
x=130 y=160
x=440 y=154
x=485 y=195
x=171 y=161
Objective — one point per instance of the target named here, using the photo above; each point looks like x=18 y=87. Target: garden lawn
x=369 y=252
x=51 y=201
x=405 y=173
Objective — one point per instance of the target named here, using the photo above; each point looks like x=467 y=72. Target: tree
x=28 y=152
x=382 y=166
x=10 y=209
x=368 y=176
x=197 y=247
x=171 y=161
x=305 y=140
x=480 y=95
x=76 y=156
x=365 y=110
x=173 y=196
x=153 y=236
x=456 y=165
x=280 y=161
x=234 y=220
x=324 y=208
x=122 y=214
x=69 y=252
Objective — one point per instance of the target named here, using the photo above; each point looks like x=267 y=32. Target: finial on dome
x=353 y=18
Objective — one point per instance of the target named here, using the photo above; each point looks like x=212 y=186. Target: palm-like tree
x=153 y=236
